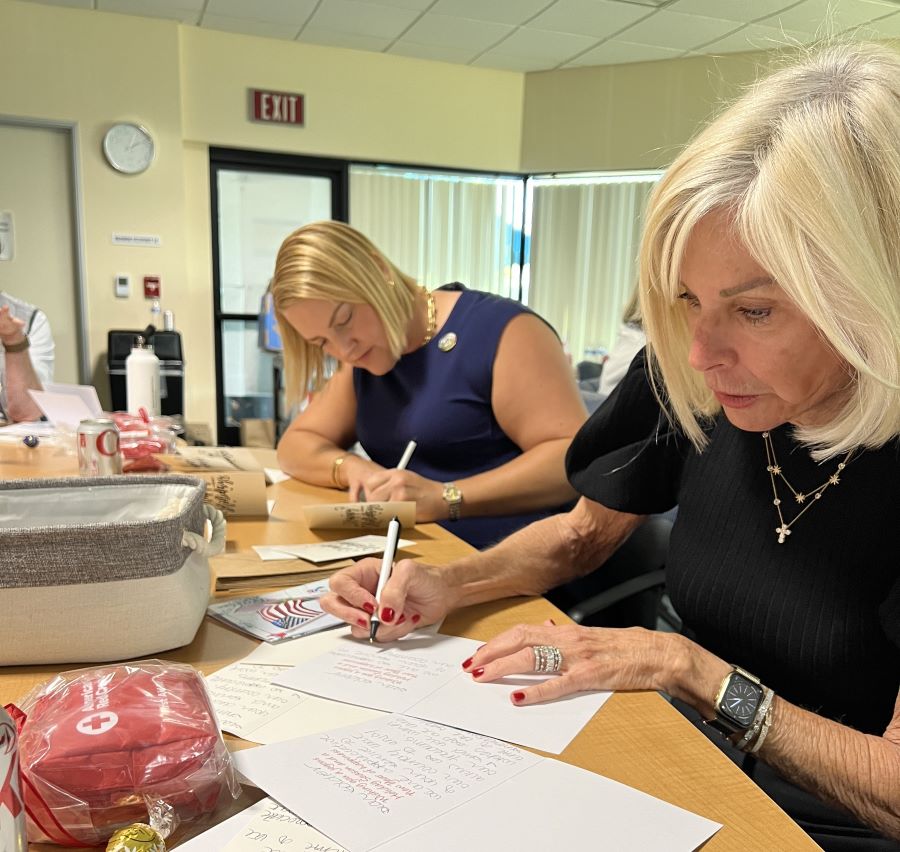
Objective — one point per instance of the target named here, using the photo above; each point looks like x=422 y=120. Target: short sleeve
x=41 y=347
x=628 y=456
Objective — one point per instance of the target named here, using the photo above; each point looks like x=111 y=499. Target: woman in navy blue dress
x=479 y=382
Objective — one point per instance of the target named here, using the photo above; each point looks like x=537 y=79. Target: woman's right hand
x=416 y=595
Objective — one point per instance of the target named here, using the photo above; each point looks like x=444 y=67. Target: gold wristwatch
x=453 y=498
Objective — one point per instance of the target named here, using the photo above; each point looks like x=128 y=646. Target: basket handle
x=198 y=542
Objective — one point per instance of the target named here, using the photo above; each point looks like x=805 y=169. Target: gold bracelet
x=336 y=470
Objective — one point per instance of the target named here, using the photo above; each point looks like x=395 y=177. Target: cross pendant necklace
x=783 y=530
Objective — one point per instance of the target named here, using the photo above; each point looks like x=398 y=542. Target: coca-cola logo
x=108 y=442
x=7 y=738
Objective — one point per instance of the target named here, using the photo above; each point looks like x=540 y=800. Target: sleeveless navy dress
x=442 y=400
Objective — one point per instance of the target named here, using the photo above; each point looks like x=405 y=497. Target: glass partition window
x=441 y=226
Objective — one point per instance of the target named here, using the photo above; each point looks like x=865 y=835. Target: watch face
x=128 y=148
x=740 y=700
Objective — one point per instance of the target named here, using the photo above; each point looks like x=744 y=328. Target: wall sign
x=276 y=107
x=7 y=238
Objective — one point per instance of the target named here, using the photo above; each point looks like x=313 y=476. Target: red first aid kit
x=105 y=747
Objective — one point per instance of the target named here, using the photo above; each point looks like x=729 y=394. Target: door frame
x=231 y=159
x=76 y=209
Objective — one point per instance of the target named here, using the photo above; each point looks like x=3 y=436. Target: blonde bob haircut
x=807 y=167
x=332 y=261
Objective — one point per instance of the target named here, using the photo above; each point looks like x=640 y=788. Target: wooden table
x=636 y=738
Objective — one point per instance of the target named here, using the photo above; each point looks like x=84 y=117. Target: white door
x=36 y=194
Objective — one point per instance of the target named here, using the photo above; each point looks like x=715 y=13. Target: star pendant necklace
x=805 y=499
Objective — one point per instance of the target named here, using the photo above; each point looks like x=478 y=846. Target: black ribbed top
x=816 y=618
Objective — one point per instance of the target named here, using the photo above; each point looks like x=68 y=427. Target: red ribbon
x=8 y=795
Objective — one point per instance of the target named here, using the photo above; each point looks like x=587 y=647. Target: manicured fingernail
x=387 y=614
x=416 y=618
x=369 y=608
x=361 y=622
x=478 y=672
x=518 y=697
x=401 y=619
x=467 y=663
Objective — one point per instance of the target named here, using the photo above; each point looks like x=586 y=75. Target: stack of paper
x=246 y=570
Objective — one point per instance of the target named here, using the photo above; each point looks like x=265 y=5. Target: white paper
x=423 y=676
x=250 y=706
x=273 y=475
x=328 y=551
x=62 y=409
x=243 y=832
x=400 y=783
x=87 y=394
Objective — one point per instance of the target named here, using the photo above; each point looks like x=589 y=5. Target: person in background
x=768 y=409
x=26 y=357
x=480 y=382
x=630 y=340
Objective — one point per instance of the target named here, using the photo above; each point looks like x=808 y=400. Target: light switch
x=123 y=286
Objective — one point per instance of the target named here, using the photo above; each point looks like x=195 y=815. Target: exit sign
x=276 y=107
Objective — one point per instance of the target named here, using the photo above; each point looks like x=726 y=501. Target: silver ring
x=547 y=659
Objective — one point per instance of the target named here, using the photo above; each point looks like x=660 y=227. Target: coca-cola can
x=98 y=448
x=12 y=807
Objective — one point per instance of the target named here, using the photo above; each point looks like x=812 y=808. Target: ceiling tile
x=267 y=29
x=418 y=5
x=186 y=11
x=360 y=18
x=825 y=17
x=436 y=52
x=71 y=4
x=757 y=37
x=274 y=11
x=742 y=11
x=614 y=52
x=333 y=38
x=888 y=27
x=598 y=18
x=676 y=30
x=448 y=31
x=499 y=11
x=544 y=44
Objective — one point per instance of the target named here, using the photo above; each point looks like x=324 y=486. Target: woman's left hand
x=592 y=658
x=405 y=485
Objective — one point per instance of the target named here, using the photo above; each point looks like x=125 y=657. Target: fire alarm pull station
x=151 y=287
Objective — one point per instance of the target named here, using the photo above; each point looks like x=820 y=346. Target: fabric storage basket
x=103 y=568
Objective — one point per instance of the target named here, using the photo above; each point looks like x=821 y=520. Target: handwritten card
x=265 y=825
x=250 y=706
x=422 y=676
x=359 y=516
x=403 y=783
x=62 y=409
x=328 y=551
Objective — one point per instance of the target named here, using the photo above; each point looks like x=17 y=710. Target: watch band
x=21 y=346
x=452 y=496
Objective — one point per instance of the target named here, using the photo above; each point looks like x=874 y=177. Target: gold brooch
x=447 y=342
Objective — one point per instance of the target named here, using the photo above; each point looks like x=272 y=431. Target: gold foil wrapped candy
x=136 y=838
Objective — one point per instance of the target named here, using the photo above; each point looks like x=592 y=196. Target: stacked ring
x=547 y=658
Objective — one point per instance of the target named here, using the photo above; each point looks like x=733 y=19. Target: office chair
x=627 y=590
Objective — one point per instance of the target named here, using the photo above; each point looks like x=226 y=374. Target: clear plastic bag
x=139 y=439
x=105 y=747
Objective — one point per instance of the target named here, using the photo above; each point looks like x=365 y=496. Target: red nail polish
x=478 y=672
x=387 y=614
x=401 y=619
x=467 y=663
x=369 y=607
x=416 y=618
x=361 y=622
x=518 y=697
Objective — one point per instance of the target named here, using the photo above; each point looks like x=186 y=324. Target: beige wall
x=189 y=87
x=635 y=116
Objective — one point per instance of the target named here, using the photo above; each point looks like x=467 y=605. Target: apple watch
x=737 y=702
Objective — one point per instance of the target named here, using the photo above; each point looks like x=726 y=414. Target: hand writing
x=415 y=595
x=394 y=484
x=593 y=658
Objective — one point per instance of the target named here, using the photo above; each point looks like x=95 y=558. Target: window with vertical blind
x=585 y=233
x=443 y=226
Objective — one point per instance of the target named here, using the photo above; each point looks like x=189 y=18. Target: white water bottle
x=142 y=378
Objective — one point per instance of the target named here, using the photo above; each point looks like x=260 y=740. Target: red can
x=12 y=808
x=98 y=448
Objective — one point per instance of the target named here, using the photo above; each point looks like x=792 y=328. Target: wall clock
x=128 y=148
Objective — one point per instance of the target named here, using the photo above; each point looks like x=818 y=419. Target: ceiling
x=528 y=35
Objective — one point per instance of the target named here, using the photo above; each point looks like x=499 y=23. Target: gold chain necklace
x=774 y=469
x=431 y=325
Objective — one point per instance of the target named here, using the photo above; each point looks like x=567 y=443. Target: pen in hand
x=401 y=465
x=387 y=564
